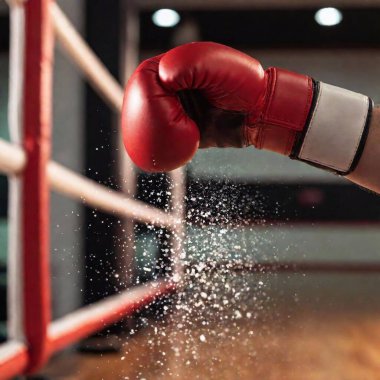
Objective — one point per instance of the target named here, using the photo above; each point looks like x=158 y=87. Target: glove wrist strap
x=335 y=134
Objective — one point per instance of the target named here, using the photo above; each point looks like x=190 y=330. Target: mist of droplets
x=216 y=304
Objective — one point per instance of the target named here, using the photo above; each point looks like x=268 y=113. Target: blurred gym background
x=291 y=212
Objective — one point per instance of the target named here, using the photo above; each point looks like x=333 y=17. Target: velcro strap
x=334 y=136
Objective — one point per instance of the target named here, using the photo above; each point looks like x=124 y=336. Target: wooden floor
x=251 y=330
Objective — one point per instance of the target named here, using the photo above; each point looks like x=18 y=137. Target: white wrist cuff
x=337 y=127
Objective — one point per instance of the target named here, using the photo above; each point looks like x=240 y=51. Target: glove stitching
x=272 y=76
x=261 y=136
x=258 y=123
x=285 y=121
x=267 y=115
x=246 y=140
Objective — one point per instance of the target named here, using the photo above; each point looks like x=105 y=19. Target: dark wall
x=103 y=35
x=247 y=29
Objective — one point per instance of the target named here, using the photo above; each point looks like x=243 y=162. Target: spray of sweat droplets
x=218 y=306
x=219 y=310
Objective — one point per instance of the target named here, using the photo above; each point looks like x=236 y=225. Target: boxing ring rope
x=81 y=323
x=39 y=175
x=88 y=63
x=80 y=188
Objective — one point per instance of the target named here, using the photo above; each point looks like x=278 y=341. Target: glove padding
x=158 y=135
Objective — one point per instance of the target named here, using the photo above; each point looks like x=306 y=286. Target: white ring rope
x=15 y=115
x=9 y=350
x=89 y=64
x=76 y=186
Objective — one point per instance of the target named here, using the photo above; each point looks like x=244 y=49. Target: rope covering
x=35 y=193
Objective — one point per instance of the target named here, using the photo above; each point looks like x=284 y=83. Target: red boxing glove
x=234 y=102
x=157 y=133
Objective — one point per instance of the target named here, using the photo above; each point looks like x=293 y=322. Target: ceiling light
x=328 y=16
x=166 y=18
